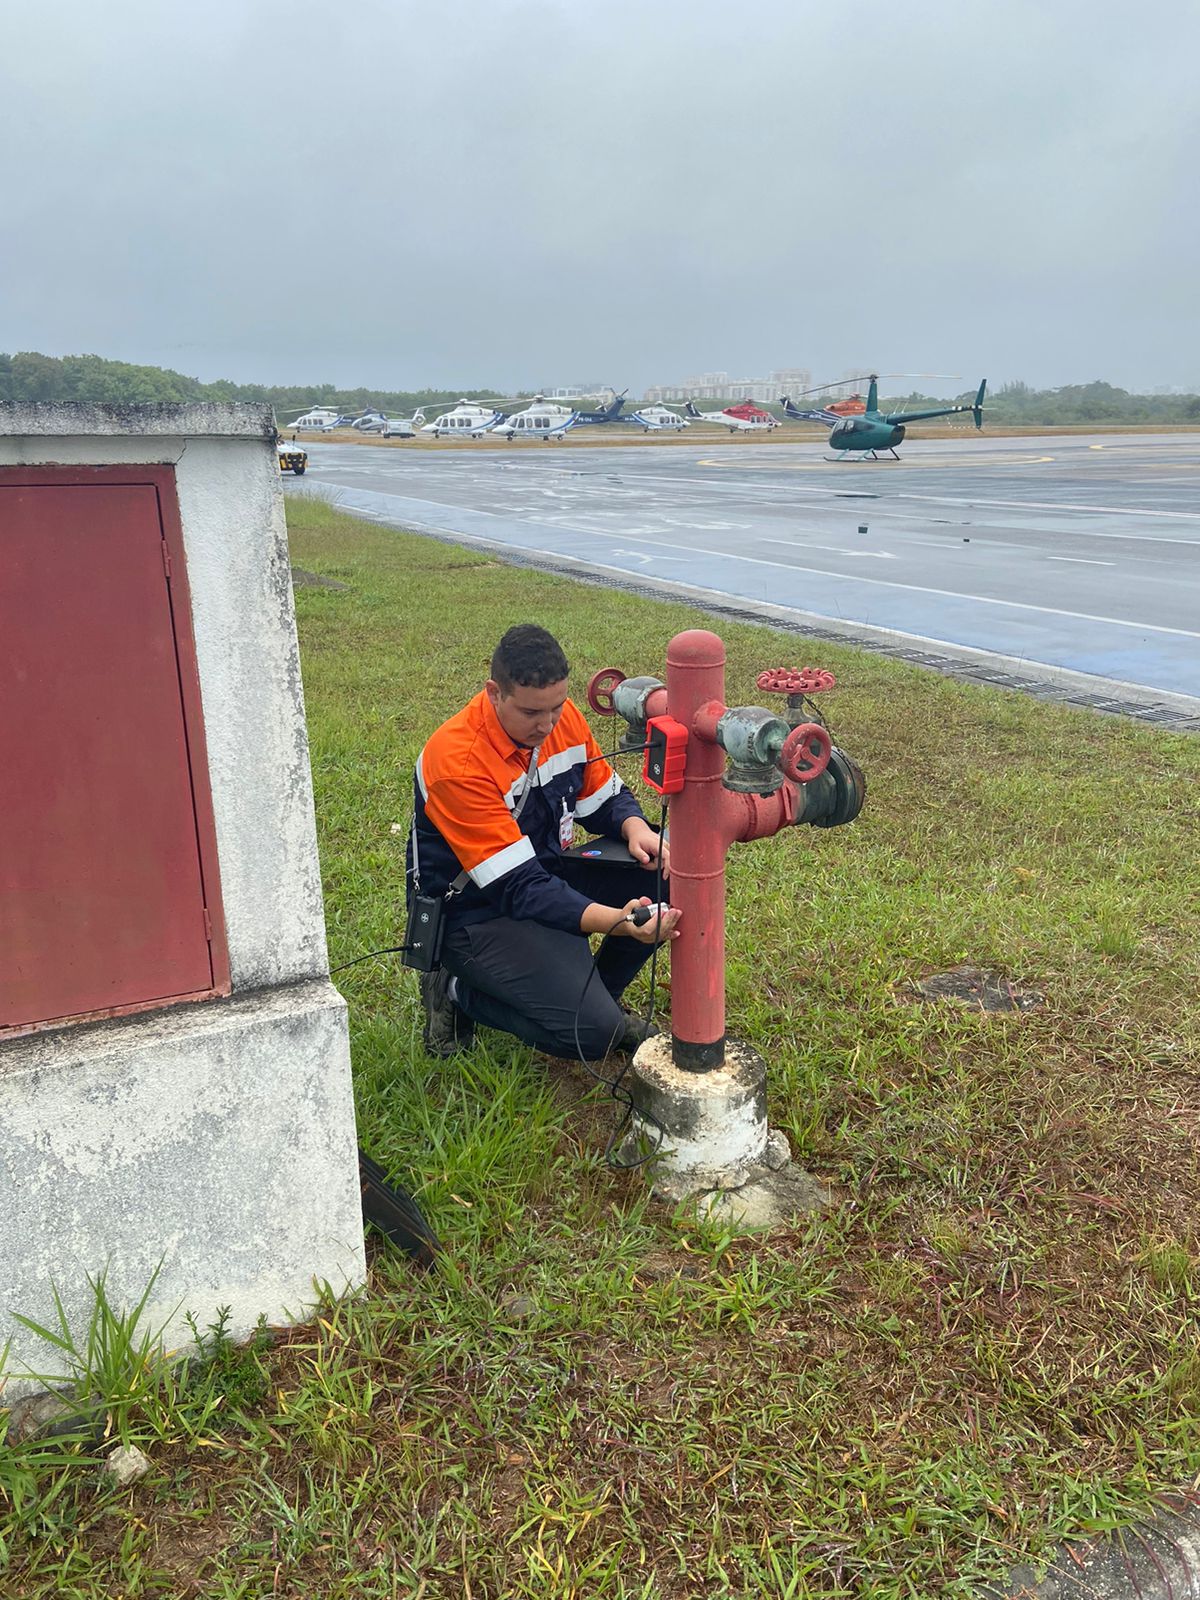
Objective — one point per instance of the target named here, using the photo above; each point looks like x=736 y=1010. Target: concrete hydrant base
x=717 y=1146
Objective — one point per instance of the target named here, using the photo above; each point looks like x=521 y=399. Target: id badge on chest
x=566 y=827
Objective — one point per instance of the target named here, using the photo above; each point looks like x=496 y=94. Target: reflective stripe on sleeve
x=513 y=855
x=607 y=791
x=421 y=776
x=561 y=761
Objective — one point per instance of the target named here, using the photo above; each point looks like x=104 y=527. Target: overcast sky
x=534 y=192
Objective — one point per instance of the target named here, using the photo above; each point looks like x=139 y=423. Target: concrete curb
x=1154 y=1560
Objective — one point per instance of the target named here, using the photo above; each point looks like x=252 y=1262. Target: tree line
x=31 y=376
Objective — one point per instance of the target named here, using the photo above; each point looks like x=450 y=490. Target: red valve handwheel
x=793 y=680
x=600 y=690
x=806 y=752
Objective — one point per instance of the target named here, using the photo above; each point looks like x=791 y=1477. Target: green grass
x=989 y=1342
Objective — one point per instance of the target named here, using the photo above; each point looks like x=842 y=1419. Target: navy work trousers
x=539 y=984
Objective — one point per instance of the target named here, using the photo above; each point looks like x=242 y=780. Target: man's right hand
x=613 y=922
x=658 y=929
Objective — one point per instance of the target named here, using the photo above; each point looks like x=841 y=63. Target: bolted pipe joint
x=631 y=700
x=835 y=796
x=752 y=739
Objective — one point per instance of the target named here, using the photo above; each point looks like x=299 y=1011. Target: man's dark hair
x=529 y=656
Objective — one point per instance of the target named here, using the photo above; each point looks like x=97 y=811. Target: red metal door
x=108 y=887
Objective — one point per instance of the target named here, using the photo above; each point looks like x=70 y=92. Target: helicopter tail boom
x=795 y=413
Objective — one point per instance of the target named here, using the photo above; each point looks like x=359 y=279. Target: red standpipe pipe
x=706 y=818
x=696 y=677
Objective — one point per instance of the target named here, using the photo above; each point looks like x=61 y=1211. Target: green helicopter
x=872 y=430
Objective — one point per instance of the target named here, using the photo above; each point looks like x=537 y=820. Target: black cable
x=648 y=1021
x=391 y=950
x=612 y=755
x=614 y=1085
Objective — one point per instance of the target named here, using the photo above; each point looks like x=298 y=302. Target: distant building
x=720 y=386
x=579 y=391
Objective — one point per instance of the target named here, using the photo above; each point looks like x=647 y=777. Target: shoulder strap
x=530 y=776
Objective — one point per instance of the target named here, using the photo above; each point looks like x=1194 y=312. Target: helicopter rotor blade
x=866 y=377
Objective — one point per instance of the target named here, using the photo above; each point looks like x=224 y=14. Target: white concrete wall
x=231 y=509
x=209 y=1141
x=214 y=1140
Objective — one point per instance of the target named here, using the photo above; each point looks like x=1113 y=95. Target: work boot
x=447 y=1030
x=636 y=1032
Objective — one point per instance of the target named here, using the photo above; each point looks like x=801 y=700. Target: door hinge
x=207 y=925
x=166 y=555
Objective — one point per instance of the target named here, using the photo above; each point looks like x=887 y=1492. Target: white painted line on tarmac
x=920 y=588
x=693 y=551
x=1058 y=505
x=837 y=549
x=1082 y=561
x=778 y=494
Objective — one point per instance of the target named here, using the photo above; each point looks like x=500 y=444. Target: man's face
x=527 y=715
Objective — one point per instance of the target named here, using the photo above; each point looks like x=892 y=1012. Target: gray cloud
x=531 y=191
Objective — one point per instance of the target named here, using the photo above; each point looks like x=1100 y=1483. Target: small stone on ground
x=126 y=1465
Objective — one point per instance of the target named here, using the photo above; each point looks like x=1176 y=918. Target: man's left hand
x=645 y=845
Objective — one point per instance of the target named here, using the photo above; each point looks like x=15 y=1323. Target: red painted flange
x=806 y=752
x=600 y=690
x=795 y=680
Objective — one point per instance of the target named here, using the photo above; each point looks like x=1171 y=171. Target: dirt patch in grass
x=314 y=580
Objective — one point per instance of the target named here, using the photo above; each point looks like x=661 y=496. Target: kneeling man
x=497 y=792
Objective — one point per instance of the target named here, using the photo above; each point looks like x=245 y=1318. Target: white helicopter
x=541 y=420
x=320 y=419
x=659 y=419
x=745 y=417
x=466 y=421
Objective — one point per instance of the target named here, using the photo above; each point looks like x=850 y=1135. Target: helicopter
x=852 y=406
x=472 y=419
x=872 y=431
x=742 y=418
x=466 y=421
x=607 y=413
x=541 y=420
x=545 y=419
x=659 y=419
x=319 y=419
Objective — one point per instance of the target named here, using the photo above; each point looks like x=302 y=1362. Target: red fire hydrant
x=781 y=772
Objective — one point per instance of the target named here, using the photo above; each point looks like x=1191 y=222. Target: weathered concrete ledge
x=195 y=419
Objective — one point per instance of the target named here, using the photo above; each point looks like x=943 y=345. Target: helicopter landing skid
x=862 y=455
